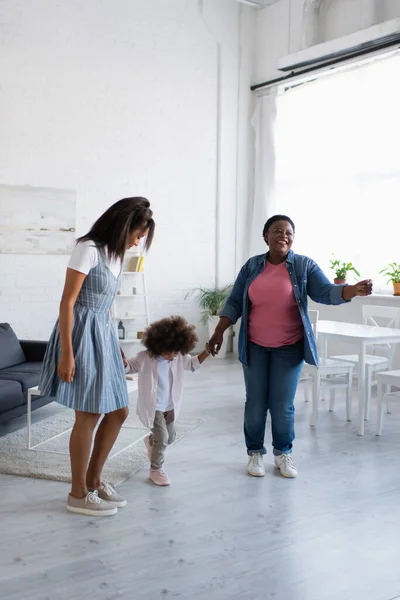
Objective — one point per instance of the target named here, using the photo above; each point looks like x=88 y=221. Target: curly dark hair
x=173 y=334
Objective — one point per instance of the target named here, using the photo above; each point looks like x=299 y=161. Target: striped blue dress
x=99 y=384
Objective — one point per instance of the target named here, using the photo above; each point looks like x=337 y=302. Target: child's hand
x=205 y=354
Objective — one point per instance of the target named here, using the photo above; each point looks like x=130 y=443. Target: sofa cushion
x=24 y=378
x=10 y=349
x=11 y=395
x=25 y=367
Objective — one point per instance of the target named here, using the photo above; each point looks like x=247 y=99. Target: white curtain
x=262 y=205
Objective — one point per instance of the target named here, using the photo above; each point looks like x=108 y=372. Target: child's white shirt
x=164 y=385
x=147 y=369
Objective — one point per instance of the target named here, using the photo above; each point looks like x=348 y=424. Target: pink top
x=274 y=318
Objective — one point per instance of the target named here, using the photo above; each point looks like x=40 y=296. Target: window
x=338 y=167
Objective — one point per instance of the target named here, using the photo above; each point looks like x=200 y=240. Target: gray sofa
x=20 y=367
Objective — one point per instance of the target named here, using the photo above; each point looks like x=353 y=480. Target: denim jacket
x=307 y=279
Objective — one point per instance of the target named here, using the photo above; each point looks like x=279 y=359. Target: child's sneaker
x=159 y=477
x=148 y=445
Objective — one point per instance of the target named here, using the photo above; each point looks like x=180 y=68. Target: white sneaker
x=255 y=466
x=286 y=465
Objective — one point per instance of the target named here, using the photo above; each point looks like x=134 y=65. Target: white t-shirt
x=86 y=256
x=164 y=400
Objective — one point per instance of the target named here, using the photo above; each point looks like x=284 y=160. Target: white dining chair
x=379 y=356
x=386 y=380
x=331 y=374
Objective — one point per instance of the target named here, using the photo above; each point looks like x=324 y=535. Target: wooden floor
x=217 y=533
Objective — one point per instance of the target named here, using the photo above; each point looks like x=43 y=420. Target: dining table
x=360 y=336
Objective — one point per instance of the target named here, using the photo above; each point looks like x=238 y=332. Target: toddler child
x=160 y=384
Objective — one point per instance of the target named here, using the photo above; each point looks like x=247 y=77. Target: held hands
x=66 y=368
x=215 y=343
x=205 y=354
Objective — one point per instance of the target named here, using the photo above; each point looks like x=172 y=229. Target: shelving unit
x=132 y=308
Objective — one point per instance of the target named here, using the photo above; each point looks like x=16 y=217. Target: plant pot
x=338 y=281
x=396 y=289
x=212 y=323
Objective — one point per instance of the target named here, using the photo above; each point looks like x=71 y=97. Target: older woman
x=270 y=294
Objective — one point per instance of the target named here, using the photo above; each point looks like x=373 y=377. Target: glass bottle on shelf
x=121 y=331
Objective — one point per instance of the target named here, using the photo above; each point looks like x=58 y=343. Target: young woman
x=83 y=367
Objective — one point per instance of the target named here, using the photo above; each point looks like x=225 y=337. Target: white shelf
x=378 y=296
x=130 y=341
x=129 y=296
x=130 y=318
x=138 y=310
x=132 y=272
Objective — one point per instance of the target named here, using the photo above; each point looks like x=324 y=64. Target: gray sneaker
x=107 y=493
x=90 y=505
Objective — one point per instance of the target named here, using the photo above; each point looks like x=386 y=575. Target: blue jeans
x=271 y=378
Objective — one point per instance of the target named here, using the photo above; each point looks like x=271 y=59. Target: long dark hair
x=113 y=228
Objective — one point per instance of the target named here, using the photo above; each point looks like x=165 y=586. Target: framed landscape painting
x=36 y=220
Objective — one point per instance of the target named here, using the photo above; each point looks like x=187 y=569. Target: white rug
x=52 y=461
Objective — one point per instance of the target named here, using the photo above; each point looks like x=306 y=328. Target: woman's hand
x=66 y=368
x=362 y=288
x=123 y=357
x=215 y=343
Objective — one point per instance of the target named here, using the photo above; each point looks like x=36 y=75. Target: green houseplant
x=211 y=302
x=392 y=272
x=341 y=269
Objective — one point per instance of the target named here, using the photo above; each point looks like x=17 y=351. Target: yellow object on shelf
x=141 y=264
x=134 y=264
x=131 y=377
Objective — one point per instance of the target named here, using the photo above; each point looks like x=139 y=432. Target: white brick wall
x=30 y=292
x=121 y=98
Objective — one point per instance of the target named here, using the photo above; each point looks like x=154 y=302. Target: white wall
x=125 y=97
x=280 y=28
x=279 y=33
x=388 y=9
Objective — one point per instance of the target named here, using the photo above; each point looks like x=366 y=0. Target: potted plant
x=341 y=269
x=392 y=272
x=212 y=301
